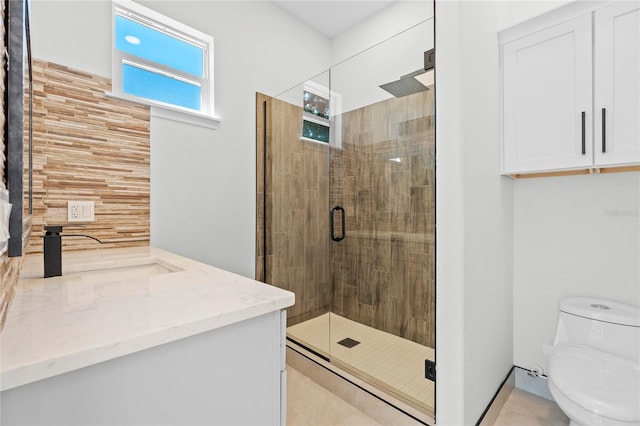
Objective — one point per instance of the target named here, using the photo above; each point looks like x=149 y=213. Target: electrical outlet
x=80 y=211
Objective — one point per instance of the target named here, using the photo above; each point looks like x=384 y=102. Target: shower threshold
x=388 y=362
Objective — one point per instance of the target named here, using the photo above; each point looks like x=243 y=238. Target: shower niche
x=346 y=213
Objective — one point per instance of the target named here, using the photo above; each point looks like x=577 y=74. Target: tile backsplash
x=88 y=147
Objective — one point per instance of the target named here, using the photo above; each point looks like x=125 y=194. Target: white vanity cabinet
x=570 y=89
x=105 y=344
x=234 y=375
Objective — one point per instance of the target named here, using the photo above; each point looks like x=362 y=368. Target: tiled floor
x=309 y=404
x=390 y=362
x=525 y=409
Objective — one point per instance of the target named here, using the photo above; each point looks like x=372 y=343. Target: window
x=316 y=131
x=315 y=119
x=321 y=113
x=161 y=62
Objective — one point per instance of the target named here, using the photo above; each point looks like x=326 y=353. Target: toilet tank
x=601 y=324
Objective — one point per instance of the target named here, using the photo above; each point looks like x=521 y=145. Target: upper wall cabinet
x=571 y=90
x=617 y=84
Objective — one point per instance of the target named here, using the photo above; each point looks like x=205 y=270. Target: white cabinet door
x=617 y=84
x=547 y=99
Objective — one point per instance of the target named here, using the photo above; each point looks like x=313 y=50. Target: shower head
x=416 y=81
x=407 y=85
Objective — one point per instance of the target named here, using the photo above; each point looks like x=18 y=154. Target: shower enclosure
x=346 y=214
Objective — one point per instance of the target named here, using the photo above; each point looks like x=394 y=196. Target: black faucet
x=53 y=250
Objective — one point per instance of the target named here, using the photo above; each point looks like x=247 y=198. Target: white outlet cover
x=80 y=211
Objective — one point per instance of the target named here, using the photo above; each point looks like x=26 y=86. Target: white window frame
x=205 y=117
x=334 y=122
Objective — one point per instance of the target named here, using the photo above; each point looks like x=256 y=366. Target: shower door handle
x=331 y=219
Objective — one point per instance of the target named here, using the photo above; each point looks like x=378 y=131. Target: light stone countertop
x=61 y=324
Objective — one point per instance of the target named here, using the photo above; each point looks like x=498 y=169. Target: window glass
x=153 y=85
x=156 y=46
x=315 y=131
x=316 y=104
x=159 y=61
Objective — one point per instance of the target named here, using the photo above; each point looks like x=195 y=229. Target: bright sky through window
x=161 y=61
x=148 y=84
x=158 y=47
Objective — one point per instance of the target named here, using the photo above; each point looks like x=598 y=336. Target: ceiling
x=331 y=17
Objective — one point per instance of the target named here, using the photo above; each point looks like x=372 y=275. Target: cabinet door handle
x=604 y=130
x=584 y=141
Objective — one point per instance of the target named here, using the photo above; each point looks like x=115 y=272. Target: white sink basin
x=123 y=270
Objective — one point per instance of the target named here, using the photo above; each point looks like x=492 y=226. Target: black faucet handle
x=53 y=229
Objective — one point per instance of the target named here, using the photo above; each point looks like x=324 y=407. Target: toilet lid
x=597 y=381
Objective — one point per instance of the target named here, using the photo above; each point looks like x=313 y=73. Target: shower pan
x=346 y=214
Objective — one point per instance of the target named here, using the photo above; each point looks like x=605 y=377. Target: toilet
x=594 y=364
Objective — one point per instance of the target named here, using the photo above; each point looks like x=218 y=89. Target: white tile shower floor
x=389 y=362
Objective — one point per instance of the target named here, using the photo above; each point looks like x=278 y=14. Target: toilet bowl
x=594 y=365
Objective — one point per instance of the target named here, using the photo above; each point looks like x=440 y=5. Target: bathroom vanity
x=142 y=336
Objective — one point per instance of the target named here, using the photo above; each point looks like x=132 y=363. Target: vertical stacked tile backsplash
x=9 y=272
x=88 y=147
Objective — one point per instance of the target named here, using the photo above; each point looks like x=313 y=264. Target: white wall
x=488 y=199
x=72 y=33
x=474 y=216
x=384 y=47
x=357 y=79
x=508 y=250
x=387 y=45
x=385 y=24
x=450 y=219
x=202 y=181
x=475 y=209
x=574 y=235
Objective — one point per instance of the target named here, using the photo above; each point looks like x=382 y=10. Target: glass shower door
x=296 y=176
x=348 y=214
x=382 y=181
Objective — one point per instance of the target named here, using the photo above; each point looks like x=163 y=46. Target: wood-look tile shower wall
x=382 y=273
x=297 y=182
x=87 y=146
x=384 y=270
